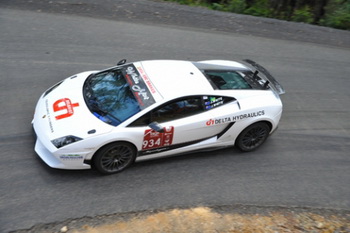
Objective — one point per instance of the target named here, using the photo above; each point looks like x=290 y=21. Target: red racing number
x=153 y=139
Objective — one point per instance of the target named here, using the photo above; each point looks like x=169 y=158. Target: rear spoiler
x=264 y=74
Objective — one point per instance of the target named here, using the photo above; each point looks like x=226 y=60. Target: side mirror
x=121 y=62
x=266 y=84
x=156 y=127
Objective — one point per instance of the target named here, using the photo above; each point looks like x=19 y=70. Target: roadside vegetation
x=330 y=13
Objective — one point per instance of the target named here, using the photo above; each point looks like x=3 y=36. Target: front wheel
x=253 y=136
x=114 y=157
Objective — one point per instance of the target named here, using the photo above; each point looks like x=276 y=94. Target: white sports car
x=106 y=119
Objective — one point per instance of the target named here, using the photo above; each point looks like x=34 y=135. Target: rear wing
x=265 y=75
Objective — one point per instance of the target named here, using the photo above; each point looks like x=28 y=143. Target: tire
x=114 y=157
x=253 y=136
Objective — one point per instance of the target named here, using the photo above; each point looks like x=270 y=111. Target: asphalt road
x=305 y=163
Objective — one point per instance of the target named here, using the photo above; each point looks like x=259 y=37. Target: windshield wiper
x=101 y=113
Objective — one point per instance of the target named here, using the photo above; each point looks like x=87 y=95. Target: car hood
x=61 y=111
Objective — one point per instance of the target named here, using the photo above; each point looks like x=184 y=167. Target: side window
x=182 y=108
x=142 y=121
x=211 y=102
x=178 y=109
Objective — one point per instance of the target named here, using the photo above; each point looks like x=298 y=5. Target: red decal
x=64 y=104
x=210 y=122
x=146 y=79
x=153 y=139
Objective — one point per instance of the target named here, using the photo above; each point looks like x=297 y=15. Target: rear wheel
x=253 y=136
x=114 y=157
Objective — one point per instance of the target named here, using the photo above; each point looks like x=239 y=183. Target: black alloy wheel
x=114 y=157
x=253 y=136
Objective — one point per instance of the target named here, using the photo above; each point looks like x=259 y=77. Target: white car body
x=63 y=111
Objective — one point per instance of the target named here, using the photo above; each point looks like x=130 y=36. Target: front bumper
x=60 y=159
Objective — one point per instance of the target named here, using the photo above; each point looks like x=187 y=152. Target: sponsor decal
x=234 y=118
x=138 y=86
x=153 y=139
x=212 y=102
x=66 y=106
x=48 y=115
x=218 y=121
x=153 y=151
x=146 y=79
x=71 y=157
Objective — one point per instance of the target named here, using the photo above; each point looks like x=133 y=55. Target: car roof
x=176 y=78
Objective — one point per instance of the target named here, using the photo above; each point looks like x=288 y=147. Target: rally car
x=106 y=119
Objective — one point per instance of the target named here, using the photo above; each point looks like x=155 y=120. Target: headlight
x=66 y=140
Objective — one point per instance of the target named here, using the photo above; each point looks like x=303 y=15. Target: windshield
x=109 y=97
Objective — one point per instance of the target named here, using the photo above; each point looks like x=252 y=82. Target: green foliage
x=260 y=8
x=218 y=7
x=237 y=6
x=303 y=15
x=338 y=15
x=334 y=13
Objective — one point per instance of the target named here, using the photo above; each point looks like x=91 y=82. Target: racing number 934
x=153 y=139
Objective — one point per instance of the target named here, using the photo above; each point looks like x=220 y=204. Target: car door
x=183 y=122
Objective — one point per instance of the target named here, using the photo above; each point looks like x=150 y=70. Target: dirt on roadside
x=209 y=220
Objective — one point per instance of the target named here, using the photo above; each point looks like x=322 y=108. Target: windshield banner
x=138 y=86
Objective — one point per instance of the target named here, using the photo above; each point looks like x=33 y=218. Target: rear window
x=233 y=80
x=227 y=80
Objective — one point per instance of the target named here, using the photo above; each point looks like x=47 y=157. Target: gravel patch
x=231 y=219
